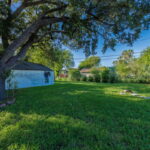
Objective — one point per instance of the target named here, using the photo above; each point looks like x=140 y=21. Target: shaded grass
x=74 y=116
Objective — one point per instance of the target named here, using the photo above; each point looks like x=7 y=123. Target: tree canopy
x=74 y=23
x=90 y=62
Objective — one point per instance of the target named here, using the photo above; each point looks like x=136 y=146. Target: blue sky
x=138 y=46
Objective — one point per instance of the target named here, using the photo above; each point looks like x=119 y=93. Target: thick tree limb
x=18 y=11
x=13 y=60
x=38 y=2
x=21 y=40
x=5 y=40
x=58 y=31
x=53 y=10
x=41 y=21
x=26 y=4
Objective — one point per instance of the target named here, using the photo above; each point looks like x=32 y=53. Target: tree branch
x=10 y=63
x=9 y=2
x=13 y=60
x=38 y=2
x=26 y=4
x=59 y=31
x=32 y=29
x=53 y=10
x=5 y=40
x=98 y=19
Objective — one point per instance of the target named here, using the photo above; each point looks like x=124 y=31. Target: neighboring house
x=63 y=74
x=28 y=74
x=86 y=72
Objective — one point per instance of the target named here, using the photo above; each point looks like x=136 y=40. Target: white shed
x=28 y=74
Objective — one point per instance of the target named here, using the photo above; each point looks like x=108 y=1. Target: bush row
x=104 y=75
x=109 y=79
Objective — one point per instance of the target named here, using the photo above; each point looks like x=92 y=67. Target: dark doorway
x=47 y=75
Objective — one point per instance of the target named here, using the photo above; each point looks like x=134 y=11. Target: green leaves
x=90 y=62
x=133 y=69
x=50 y=56
x=78 y=24
x=74 y=74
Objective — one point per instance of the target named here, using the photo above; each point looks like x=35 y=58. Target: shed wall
x=28 y=78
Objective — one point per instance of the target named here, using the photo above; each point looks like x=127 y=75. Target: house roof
x=85 y=70
x=31 y=66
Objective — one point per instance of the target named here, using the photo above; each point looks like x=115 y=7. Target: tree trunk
x=2 y=89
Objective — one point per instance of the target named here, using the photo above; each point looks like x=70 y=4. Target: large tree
x=76 y=23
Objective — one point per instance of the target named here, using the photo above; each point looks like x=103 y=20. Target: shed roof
x=31 y=66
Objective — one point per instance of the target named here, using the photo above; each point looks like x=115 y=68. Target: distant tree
x=68 y=60
x=75 y=23
x=144 y=66
x=123 y=65
x=145 y=57
x=50 y=56
x=133 y=69
x=90 y=62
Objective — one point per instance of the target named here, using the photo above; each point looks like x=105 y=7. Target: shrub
x=104 y=74
x=74 y=74
x=112 y=79
x=83 y=78
x=90 y=79
x=97 y=78
x=96 y=74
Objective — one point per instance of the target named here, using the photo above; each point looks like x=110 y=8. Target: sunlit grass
x=75 y=116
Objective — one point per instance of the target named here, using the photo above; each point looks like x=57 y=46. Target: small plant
x=90 y=79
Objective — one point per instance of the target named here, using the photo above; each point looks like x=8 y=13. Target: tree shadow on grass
x=54 y=133
x=78 y=116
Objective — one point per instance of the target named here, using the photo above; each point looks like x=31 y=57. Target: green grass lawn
x=77 y=116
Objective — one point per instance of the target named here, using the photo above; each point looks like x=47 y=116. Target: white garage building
x=28 y=74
